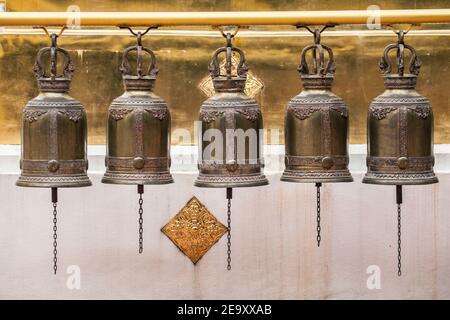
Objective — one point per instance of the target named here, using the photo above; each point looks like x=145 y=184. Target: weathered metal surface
x=138 y=132
x=400 y=124
x=237 y=159
x=316 y=123
x=54 y=129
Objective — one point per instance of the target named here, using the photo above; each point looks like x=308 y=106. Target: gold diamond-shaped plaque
x=194 y=230
x=253 y=85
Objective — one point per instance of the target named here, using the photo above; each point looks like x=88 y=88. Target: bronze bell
x=138 y=131
x=231 y=131
x=400 y=128
x=235 y=162
x=54 y=130
x=316 y=125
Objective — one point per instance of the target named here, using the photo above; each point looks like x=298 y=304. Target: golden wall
x=183 y=62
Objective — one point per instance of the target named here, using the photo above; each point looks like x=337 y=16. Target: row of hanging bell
x=399 y=137
x=54 y=132
x=400 y=130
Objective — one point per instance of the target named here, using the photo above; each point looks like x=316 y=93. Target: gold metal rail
x=413 y=16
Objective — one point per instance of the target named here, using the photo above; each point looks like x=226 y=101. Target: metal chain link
x=229 y=235
x=141 y=222
x=55 y=237
x=318 y=185
x=399 y=239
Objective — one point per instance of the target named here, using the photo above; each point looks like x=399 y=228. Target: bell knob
x=327 y=162
x=53 y=165
x=138 y=163
x=403 y=163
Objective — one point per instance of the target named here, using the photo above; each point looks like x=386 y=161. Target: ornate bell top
x=228 y=82
x=321 y=74
x=142 y=80
x=400 y=80
x=53 y=82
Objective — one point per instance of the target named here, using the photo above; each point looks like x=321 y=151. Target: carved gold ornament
x=194 y=230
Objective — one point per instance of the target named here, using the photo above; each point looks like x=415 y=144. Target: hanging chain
x=399 y=239
x=229 y=197
x=229 y=235
x=399 y=200
x=141 y=222
x=55 y=237
x=318 y=185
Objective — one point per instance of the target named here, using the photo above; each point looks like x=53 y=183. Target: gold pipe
x=215 y=34
x=224 y=18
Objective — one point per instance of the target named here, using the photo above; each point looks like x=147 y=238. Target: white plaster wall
x=274 y=250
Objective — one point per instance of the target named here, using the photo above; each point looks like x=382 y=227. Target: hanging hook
x=233 y=34
x=400 y=48
x=398 y=31
x=53 y=47
x=316 y=32
x=134 y=33
x=48 y=33
x=318 y=63
x=139 y=47
x=229 y=47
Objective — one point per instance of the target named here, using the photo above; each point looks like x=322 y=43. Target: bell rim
x=230 y=185
x=136 y=179
x=317 y=180
x=204 y=181
x=315 y=177
x=392 y=182
x=23 y=182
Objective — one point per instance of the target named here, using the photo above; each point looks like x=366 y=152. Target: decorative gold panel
x=253 y=85
x=194 y=230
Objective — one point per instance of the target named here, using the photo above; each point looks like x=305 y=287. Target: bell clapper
x=318 y=185
x=55 y=228
x=399 y=228
x=229 y=197
x=140 y=190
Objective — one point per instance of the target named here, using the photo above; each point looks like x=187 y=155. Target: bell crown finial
x=400 y=79
x=53 y=81
x=228 y=81
x=321 y=72
x=142 y=79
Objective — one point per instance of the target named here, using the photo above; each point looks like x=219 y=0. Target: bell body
x=316 y=135
x=235 y=119
x=400 y=135
x=53 y=135
x=138 y=137
x=231 y=142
